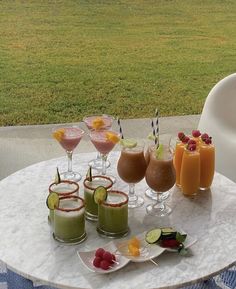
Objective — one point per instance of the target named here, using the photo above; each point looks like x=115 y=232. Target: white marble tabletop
x=27 y=246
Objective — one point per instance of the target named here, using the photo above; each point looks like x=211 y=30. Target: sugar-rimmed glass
x=63 y=189
x=69 y=138
x=91 y=208
x=113 y=215
x=160 y=176
x=131 y=168
x=108 y=120
x=69 y=220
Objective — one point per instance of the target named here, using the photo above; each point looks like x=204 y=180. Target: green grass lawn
x=61 y=60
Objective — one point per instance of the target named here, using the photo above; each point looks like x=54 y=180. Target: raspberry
x=191 y=141
x=99 y=252
x=192 y=147
x=97 y=262
x=196 y=133
x=107 y=256
x=185 y=139
x=181 y=136
x=105 y=265
x=204 y=136
x=207 y=140
x=171 y=243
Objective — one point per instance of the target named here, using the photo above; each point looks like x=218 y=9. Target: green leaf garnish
x=151 y=136
x=181 y=237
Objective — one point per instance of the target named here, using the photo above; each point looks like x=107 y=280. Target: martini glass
x=104 y=141
x=69 y=138
x=102 y=121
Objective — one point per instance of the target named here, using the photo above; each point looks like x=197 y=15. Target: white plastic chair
x=218 y=119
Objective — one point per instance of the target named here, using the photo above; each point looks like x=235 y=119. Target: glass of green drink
x=91 y=208
x=113 y=215
x=63 y=189
x=69 y=220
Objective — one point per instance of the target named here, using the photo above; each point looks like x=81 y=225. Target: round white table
x=28 y=248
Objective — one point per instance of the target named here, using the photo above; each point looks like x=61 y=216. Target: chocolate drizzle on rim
x=64 y=193
x=70 y=210
x=118 y=204
x=97 y=177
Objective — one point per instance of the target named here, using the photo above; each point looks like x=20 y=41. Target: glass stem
x=99 y=157
x=160 y=205
x=132 y=196
x=104 y=168
x=69 y=156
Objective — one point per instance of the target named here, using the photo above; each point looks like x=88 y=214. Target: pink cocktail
x=69 y=138
x=104 y=141
x=98 y=122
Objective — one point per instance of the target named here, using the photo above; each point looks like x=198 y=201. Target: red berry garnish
x=99 y=252
x=191 y=141
x=171 y=243
x=107 y=256
x=185 y=139
x=207 y=140
x=204 y=136
x=181 y=136
x=105 y=265
x=196 y=133
x=97 y=261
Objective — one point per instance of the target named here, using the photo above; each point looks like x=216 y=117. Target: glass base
x=137 y=202
x=91 y=217
x=71 y=176
x=159 y=211
x=153 y=195
x=97 y=164
x=71 y=241
x=112 y=234
x=204 y=188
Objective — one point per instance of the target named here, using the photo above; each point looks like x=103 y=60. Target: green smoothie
x=69 y=220
x=91 y=208
x=113 y=215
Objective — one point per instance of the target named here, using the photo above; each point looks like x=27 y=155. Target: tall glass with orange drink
x=190 y=170
x=207 y=162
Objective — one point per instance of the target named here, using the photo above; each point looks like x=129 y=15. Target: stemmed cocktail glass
x=97 y=122
x=104 y=141
x=160 y=176
x=69 y=138
x=131 y=168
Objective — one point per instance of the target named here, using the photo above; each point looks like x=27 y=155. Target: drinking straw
x=120 y=128
x=157 y=126
x=154 y=131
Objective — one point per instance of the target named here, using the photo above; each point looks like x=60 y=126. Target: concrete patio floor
x=21 y=146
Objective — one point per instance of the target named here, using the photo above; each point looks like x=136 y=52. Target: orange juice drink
x=207 y=165
x=179 y=150
x=190 y=172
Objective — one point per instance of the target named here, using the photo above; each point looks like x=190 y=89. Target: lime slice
x=100 y=194
x=52 y=200
x=160 y=151
x=57 y=177
x=89 y=174
x=128 y=143
x=151 y=136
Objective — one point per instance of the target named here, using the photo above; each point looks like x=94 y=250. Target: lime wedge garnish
x=89 y=174
x=57 y=177
x=151 y=136
x=100 y=194
x=160 y=151
x=128 y=143
x=52 y=200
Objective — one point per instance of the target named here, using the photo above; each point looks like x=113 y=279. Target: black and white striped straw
x=120 y=128
x=154 y=131
x=157 y=126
